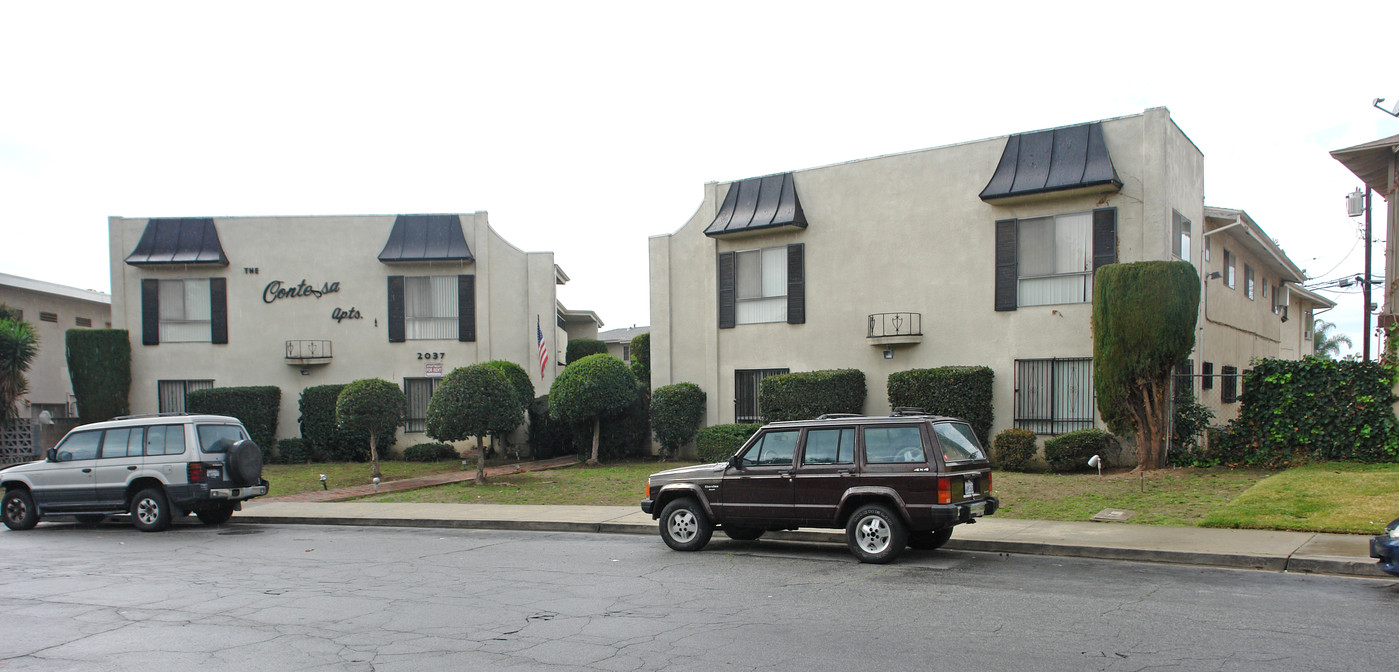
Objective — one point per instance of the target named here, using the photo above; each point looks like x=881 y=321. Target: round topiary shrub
x=676 y=413
x=430 y=452
x=294 y=451
x=717 y=443
x=1013 y=449
x=1070 y=452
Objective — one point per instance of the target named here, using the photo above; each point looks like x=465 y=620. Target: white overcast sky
x=585 y=127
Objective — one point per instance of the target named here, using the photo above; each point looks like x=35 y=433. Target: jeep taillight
x=195 y=471
x=944 y=490
x=648 y=488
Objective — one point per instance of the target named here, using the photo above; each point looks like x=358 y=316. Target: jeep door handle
x=785 y=474
x=845 y=472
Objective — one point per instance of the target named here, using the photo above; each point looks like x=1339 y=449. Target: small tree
x=18 y=346
x=372 y=405
x=99 y=366
x=676 y=413
x=641 y=358
x=524 y=387
x=590 y=388
x=1143 y=323
x=476 y=400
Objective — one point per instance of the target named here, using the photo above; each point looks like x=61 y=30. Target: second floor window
x=430 y=307
x=1056 y=259
x=1180 y=244
x=761 y=284
x=1228 y=269
x=185 y=311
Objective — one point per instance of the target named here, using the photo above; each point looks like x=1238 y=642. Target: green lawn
x=621 y=484
x=1179 y=497
x=289 y=479
x=1339 y=497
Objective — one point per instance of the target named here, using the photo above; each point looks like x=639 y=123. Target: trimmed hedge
x=954 y=391
x=641 y=358
x=620 y=435
x=1014 y=449
x=578 y=348
x=99 y=366
x=548 y=437
x=524 y=387
x=256 y=407
x=293 y=451
x=430 y=452
x=1312 y=410
x=328 y=441
x=808 y=394
x=676 y=413
x=1070 y=452
x=717 y=443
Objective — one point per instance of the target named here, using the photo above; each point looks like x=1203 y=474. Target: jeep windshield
x=218 y=438
x=958 y=442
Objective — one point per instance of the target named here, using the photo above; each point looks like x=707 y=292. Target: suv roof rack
x=838 y=416
x=151 y=415
x=908 y=410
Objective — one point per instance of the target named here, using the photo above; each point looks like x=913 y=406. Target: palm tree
x=1328 y=345
x=18 y=345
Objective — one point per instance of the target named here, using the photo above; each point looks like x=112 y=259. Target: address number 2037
x=432 y=355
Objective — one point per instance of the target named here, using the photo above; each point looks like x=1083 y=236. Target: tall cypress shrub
x=99 y=367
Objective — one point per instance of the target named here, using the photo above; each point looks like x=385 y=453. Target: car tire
x=217 y=515
x=875 y=535
x=90 y=518
x=929 y=540
x=684 y=525
x=150 y=510
x=19 y=510
x=244 y=463
x=743 y=533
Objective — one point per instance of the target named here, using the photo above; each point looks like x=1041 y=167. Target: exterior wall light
x=888 y=352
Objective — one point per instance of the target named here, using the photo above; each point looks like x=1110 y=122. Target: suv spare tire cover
x=244 y=463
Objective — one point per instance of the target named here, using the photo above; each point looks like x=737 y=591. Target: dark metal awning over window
x=759 y=204
x=416 y=238
x=190 y=240
x=1071 y=159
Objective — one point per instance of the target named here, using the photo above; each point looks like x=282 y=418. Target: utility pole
x=1369 y=195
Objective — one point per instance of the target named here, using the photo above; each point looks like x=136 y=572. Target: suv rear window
x=958 y=442
x=892 y=445
x=218 y=438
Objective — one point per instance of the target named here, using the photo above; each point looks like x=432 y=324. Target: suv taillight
x=195 y=471
x=944 y=490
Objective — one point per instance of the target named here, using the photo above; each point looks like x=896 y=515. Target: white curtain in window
x=762 y=286
x=1056 y=260
x=430 y=307
x=184 y=311
x=1073 y=390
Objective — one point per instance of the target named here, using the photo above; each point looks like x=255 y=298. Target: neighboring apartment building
x=618 y=341
x=980 y=253
x=301 y=301
x=1377 y=165
x=53 y=310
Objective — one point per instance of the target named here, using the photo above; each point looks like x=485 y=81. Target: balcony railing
x=302 y=353
x=895 y=324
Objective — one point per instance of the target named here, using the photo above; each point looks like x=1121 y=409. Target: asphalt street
x=270 y=597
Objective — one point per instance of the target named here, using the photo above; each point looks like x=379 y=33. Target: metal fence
x=1054 y=396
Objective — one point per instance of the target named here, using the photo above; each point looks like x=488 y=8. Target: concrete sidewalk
x=1307 y=552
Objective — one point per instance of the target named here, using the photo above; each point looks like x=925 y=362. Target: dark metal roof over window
x=1061 y=159
x=426 y=238
x=759 y=204
x=190 y=240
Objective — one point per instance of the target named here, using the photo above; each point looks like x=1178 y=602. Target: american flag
x=543 y=351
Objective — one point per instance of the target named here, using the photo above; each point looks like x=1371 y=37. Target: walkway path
x=351 y=492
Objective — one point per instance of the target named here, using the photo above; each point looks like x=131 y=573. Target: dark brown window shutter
x=728 y=291
x=796 y=283
x=1007 y=265
x=218 y=309
x=1104 y=237
x=466 y=308
x=396 y=309
x=150 y=312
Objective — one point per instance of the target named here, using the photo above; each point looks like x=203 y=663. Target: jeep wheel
x=150 y=511
x=930 y=540
x=875 y=534
x=19 y=510
x=684 y=526
x=218 y=514
x=244 y=463
x=743 y=533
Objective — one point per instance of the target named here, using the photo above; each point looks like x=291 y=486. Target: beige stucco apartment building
x=979 y=253
x=53 y=309
x=301 y=301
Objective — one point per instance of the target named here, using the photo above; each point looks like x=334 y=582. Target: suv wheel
x=875 y=534
x=19 y=511
x=743 y=533
x=150 y=511
x=684 y=526
x=218 y=514
x=930 y=540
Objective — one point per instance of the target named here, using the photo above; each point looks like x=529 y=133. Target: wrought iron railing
x=308 y=350
x=895 y=324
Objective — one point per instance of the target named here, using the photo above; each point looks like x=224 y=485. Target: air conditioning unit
x=1282 y=296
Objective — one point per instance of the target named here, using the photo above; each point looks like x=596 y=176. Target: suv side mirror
x=52 y=454
x=735 y=463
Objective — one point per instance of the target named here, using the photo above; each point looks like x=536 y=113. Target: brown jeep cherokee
x=891 y=482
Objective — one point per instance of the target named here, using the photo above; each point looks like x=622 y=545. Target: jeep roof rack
x=908 y=410
x=838 y=416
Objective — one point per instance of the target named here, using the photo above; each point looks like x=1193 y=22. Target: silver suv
x=154 y=467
